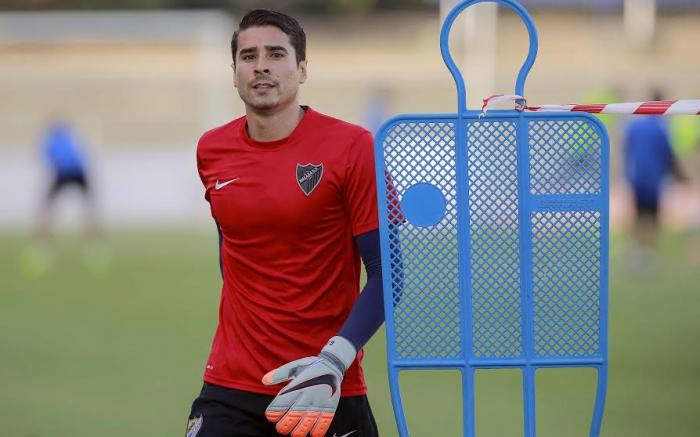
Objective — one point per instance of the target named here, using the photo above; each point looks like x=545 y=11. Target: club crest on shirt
x=194 y=425
x=308 y=176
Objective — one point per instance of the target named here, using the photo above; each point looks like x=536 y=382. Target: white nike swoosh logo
x=221 y=185
x=345 y=435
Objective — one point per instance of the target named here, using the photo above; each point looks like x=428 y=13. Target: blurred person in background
x=649 y=162
x=67 y=166
x=292 y=192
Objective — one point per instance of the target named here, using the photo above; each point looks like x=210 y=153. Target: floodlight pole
x=477 y=49
x=640 y=22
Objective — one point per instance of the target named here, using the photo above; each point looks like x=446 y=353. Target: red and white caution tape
x=520 y=102
x=662 y=107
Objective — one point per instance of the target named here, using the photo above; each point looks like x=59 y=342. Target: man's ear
x=302 y=68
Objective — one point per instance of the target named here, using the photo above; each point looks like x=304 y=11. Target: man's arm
x=368 y=313
x=674 y=167
x=307 y=404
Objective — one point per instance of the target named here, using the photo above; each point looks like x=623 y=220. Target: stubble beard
x=266 y=104
x=260 y=104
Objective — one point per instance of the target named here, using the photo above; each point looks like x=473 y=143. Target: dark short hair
x=282 y=21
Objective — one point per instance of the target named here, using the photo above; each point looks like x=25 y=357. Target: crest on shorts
x=194 y=425
x=308 y=176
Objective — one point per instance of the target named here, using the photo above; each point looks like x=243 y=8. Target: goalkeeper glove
x=308 y=403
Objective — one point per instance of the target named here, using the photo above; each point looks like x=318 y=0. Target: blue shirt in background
x=62 y=151
x=648 y=157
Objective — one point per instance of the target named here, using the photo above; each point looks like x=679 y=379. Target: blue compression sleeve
x=368 y=313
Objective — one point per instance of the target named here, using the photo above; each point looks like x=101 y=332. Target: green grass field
x=87 y=352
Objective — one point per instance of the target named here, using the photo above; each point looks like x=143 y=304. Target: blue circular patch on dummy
x=423 y=204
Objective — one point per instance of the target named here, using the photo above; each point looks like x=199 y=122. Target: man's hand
x=307 y=404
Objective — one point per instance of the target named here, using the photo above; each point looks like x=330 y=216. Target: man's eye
x=277 y=55
x=247 y=57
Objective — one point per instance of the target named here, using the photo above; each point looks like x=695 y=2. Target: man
x=68 y=167
x=293 y=196
x=648 y=162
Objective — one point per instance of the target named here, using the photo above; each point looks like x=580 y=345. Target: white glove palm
x=308 y=403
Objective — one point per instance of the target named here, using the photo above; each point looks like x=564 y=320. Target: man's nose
x=261 y=66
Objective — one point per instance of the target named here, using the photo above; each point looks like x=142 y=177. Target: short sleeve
x=360 y=193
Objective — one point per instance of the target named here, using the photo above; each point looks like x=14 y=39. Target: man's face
x=266 y=73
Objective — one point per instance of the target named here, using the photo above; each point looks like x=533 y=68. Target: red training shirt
x=288 y=211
